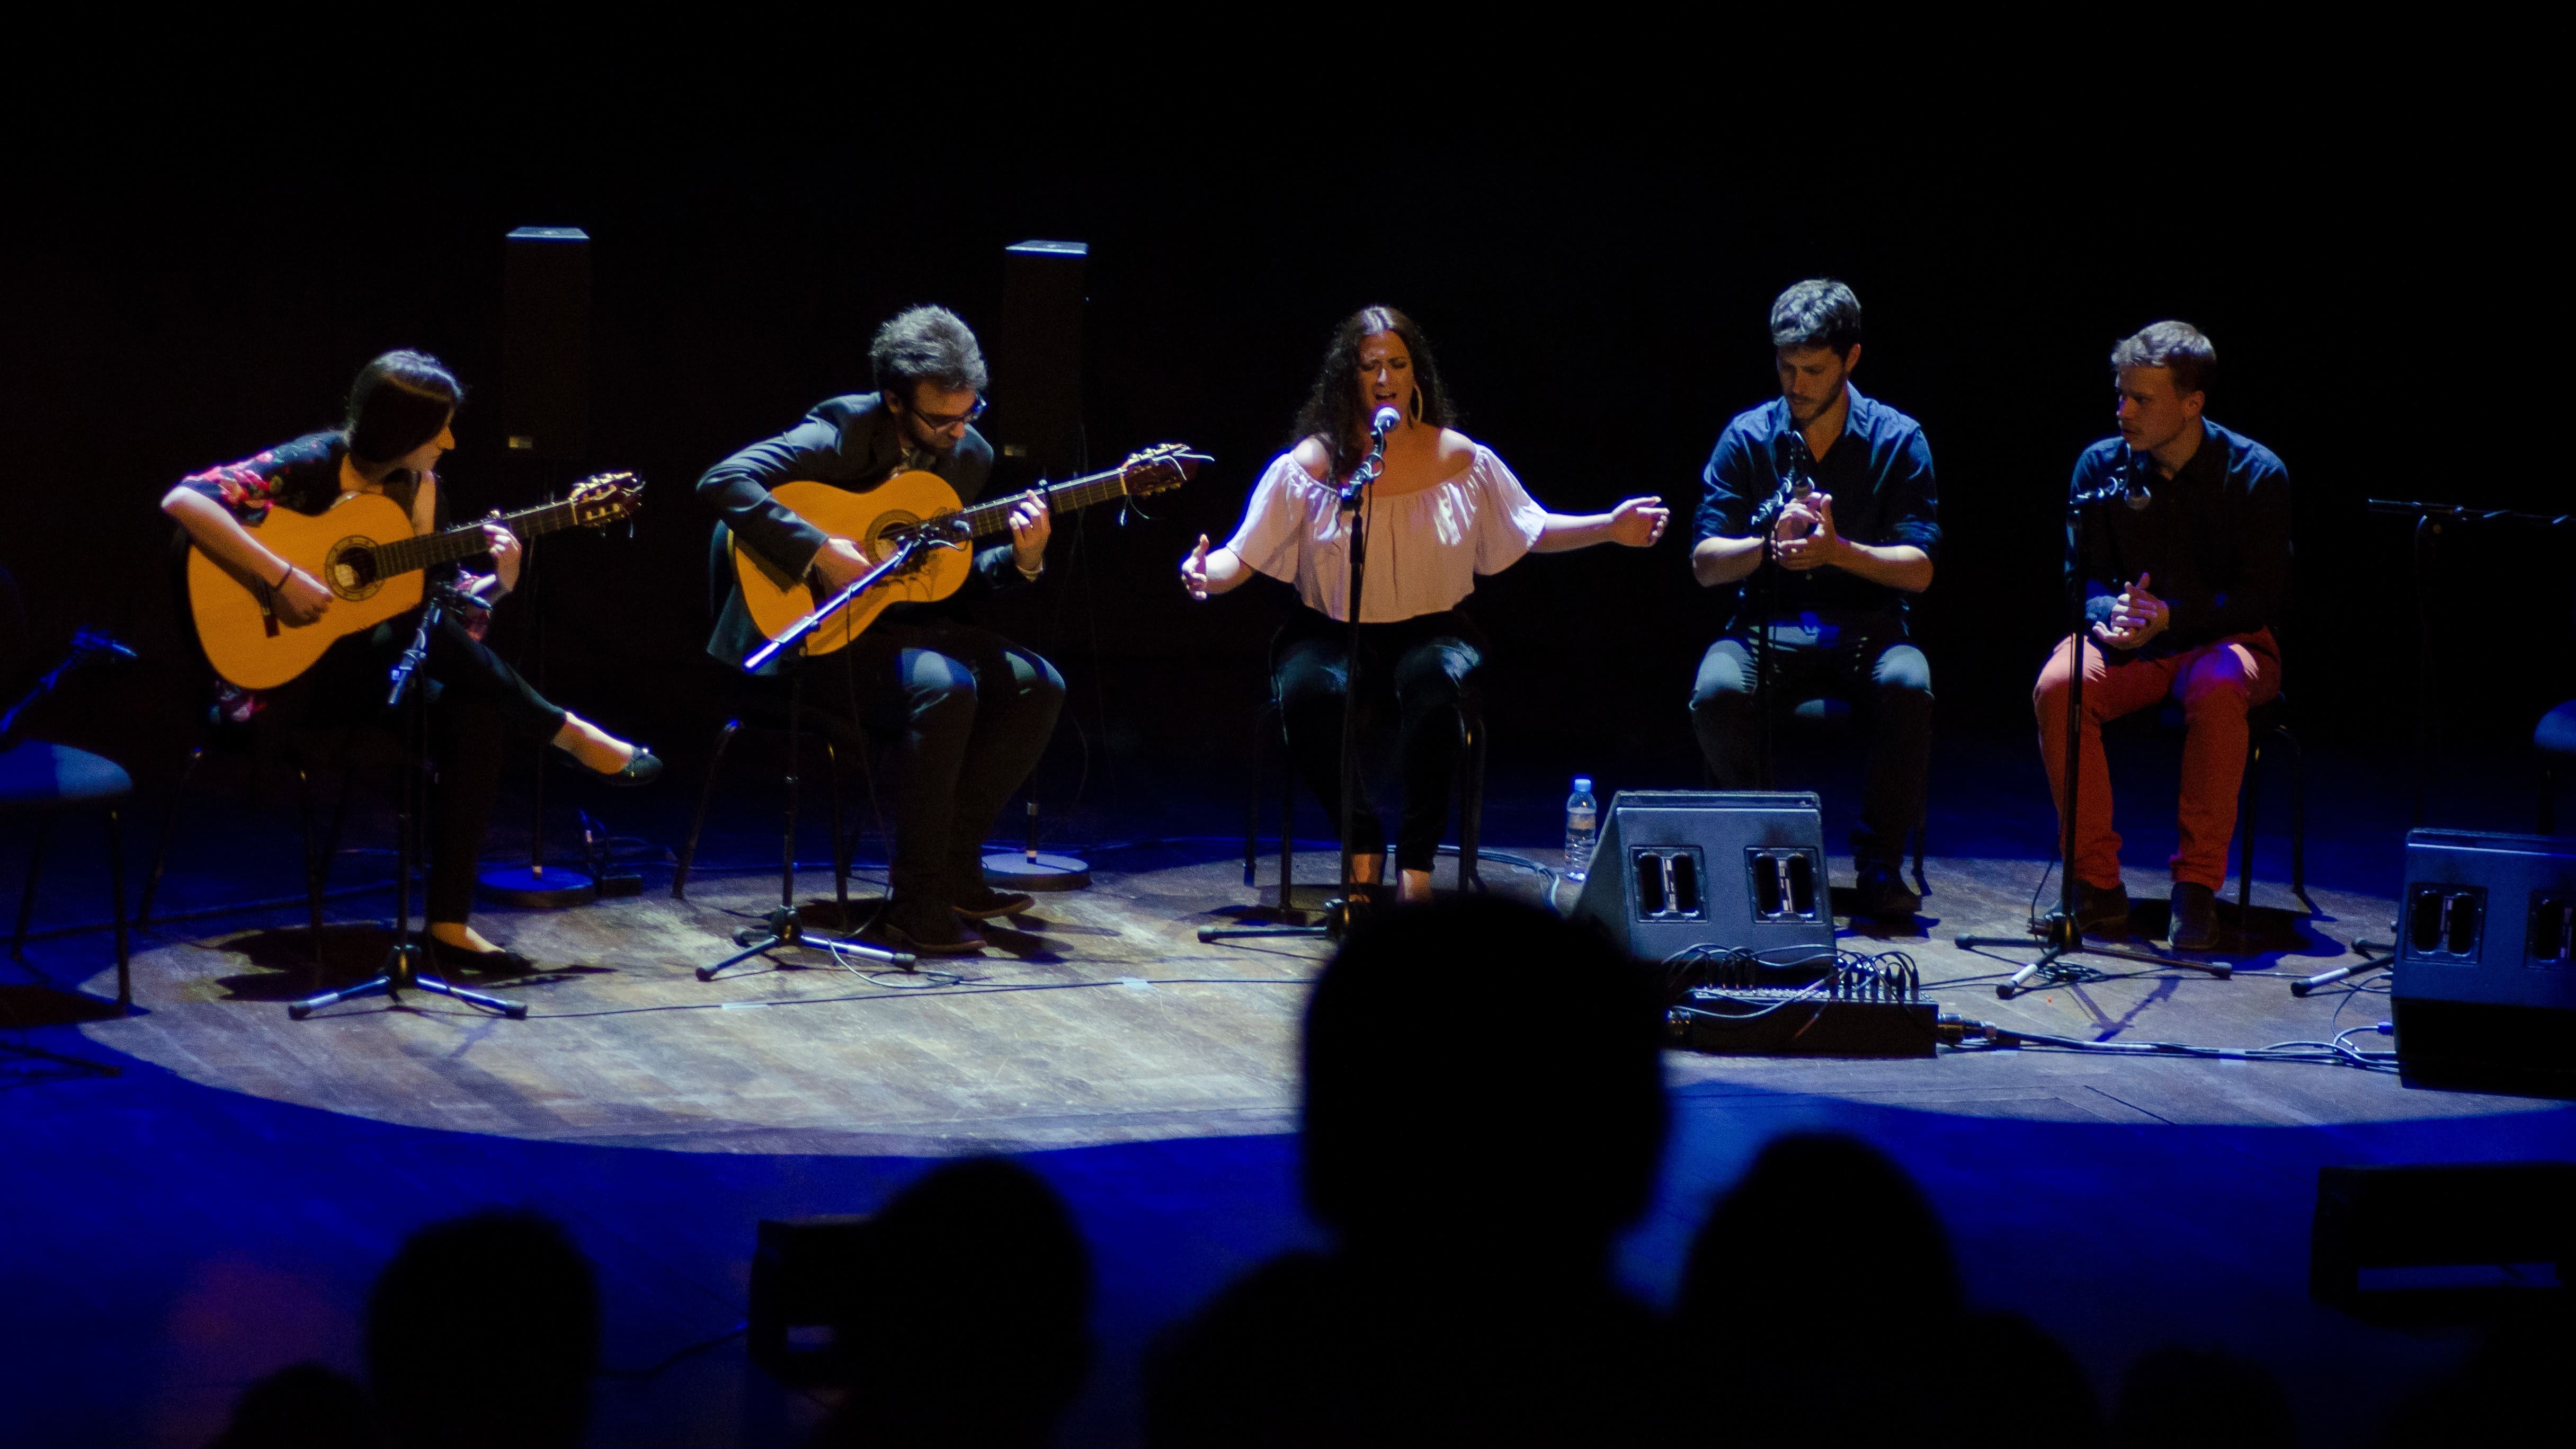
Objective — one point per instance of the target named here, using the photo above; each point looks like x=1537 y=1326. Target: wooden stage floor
x=1100 y=1018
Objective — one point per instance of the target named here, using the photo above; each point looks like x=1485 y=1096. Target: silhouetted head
x=1823 y=1235
x=484 y=1330
x=1479 y=1070
x=303 y=1406
x=967 y=1319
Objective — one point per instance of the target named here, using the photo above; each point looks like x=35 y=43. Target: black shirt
x=2214 y=539
x=1879 y=473
x=849 y=442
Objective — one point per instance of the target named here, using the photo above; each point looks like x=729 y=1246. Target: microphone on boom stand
x=1381 y=423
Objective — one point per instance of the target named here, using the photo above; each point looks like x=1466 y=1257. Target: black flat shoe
x=495 y=962
x=641 y=768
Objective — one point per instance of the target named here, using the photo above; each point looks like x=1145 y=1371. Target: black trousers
x=1864 y=659
x=1423 y=667
x=478 y=704
x=964 y=714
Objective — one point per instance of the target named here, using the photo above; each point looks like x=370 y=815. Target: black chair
x=1834 y=714
x=306 y=749
x=1270 y=724
x=45 y=781
x=2266 y=725
x=757 y=715
x=2555 y=738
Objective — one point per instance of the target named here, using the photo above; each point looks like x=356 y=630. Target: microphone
x=2130 y=483
x=1384 y=422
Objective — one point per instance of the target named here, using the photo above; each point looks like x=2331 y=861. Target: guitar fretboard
x=995 y=517
x=429 y=550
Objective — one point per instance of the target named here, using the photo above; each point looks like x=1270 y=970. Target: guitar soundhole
x=889 y=531
x=350 y=568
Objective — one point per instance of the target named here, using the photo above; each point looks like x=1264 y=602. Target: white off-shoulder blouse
x=1425 y=548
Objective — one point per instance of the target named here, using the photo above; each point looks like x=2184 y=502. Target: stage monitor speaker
x=545 y=343
x=1037 y=368
x=2484 y=986
x=1717 y=869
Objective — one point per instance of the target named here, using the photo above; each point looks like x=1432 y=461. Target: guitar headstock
x=1155 y=469
x=605 y=498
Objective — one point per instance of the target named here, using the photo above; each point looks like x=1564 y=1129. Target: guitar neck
x=1091 y=488
x=429 y=550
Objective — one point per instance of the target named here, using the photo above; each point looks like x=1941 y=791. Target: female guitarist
x=1443 y=511
x=397 y=426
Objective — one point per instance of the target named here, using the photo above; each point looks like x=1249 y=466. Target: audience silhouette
x=966 y=1321
x=2176 y=1396
x=302 y=1406
x=484 y=1331
x=1472 y=1169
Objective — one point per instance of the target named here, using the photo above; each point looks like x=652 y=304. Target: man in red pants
x=2183 y=586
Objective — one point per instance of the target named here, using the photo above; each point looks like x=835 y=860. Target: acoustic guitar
x=363 y=550
x=921 y=504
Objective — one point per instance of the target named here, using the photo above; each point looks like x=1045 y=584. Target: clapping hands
x=2136 y=617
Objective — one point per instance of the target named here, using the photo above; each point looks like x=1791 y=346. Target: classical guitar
x=363 y=549
x=921 y=504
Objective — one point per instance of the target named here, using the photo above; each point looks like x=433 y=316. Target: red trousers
x=2216 y=684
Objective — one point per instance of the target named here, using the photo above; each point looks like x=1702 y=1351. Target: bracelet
x=282 y=578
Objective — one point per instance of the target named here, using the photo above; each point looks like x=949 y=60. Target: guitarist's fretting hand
x=1032 y=524
x=506 y=554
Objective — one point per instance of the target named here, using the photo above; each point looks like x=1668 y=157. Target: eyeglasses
x=942 y=422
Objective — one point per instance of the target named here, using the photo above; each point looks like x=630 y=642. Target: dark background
x=191 y=293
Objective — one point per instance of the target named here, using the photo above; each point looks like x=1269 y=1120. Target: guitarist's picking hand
x=1031 y=525
x=1194 y=571
x=300 y=599
x=840 y=562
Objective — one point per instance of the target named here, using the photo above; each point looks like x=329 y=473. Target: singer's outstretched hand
x=1822 y=545
x=1639 y=522
x=1194 y=571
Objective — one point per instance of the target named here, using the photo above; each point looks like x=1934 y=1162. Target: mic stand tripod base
x=1018 y=870
x=783 y=927
x=1338 y=916
x=536 y=888
x=2061 y=940
x=402 y=973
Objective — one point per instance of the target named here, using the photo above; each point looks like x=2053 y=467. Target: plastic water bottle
x=1582 y=825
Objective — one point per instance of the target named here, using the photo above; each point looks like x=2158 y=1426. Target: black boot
x=2099 y=910
x=923 y=926
x=1882 y=895
x=2195 y=918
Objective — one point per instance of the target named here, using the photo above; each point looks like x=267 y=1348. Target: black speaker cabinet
x=545 y=343
x=1723 y=869
x=1036 y=420
x=2484 y=985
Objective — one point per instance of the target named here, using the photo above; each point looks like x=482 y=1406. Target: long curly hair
x=1334 y=411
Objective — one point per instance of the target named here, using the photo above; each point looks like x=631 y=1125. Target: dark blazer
x=849 y=442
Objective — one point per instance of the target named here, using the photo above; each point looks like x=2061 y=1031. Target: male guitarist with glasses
x=967 y=711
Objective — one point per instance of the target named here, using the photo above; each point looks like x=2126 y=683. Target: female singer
x=1444 y=510
x=397 y=427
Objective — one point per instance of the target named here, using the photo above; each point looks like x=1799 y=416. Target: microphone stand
x=1794 y=488
x=1340 y=914
x=783 y=926
x=2428 y=518
x=2065 y=936
x=403 y=960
